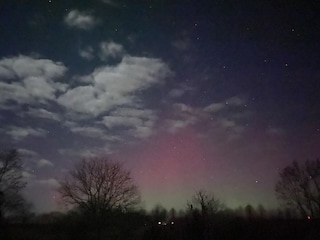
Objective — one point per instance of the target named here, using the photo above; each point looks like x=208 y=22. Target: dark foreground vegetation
x=139 y=225
x=104 y=199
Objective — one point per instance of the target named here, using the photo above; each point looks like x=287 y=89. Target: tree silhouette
x=11 y=184
x=261 y=211
x=97 y=186
x=250 y=212
x=299 y=187
x=159 y=213
x=207 y=203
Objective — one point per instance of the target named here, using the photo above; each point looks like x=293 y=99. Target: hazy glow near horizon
x=220 y=100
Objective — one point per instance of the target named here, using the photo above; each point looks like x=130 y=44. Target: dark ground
x=239 y=229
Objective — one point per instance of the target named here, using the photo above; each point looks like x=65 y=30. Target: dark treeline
x=159 y=223
x=104 y=203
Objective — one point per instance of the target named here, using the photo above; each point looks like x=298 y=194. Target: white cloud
x=114 y=86
x=24 y=67
x=180 y=91
x=43 y=113
x=139 y=122
x=116 y=121
x=214 y=107
x=26 y=175
x=19 y=133
x=85 y=99
x=50 y=182
x=235 y=101
x=142 y=131
x=67 y=151
x=30 y=80
x=227 y=123
x=182 y=119
x=145 y=114
x=227 y=116
x=110 y=50
x=181 y=107
x=175 y=125
x=27 y=153
x=93 y=132
x=44 y=163
x=176 y=92
x=183 y=116
x=88 y=79
x=86 y=53
x=86 y=153
x=70 y=124
x=80 y=20
x=39 y=88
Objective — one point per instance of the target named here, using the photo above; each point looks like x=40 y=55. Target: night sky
x=216 y=95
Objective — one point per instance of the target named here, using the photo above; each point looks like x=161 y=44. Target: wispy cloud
x=27 y=175
x=87 y=53
x=110 y=50
x=80 y=20
x=183 y=116
x=93 y=132
x=85 y=152
x=110 y=3
x=44 y=163
x=27 y=153
x=180 y=91
x=50 y=182
x=19 y=133
x=42 y=113
x=138 y=122
x=214 y=107
x=226 y=116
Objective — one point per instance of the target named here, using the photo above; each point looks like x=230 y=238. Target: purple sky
x=214 y=95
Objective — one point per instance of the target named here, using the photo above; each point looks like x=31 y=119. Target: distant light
x=309 y=217
x=172 y=223
x=159 y=223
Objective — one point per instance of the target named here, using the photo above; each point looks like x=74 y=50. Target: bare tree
x=98 y=185
x=261 y=211
x=249 y=210
x=207 y=203
x=299 y=187
x=159 y=213
x=11 y=183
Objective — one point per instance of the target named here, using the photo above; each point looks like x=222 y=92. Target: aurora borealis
x=189 y=95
